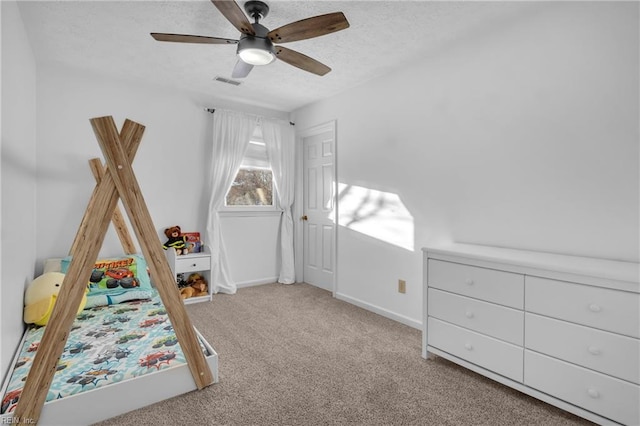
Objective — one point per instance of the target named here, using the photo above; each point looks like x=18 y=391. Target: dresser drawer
x=603 y=395
x=193 y=263
x=487 y=352
x=602 y=351
x=504 y=288
x=487 y=318
x=606 y=309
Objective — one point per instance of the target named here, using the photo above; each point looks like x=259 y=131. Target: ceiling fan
x=255 y=46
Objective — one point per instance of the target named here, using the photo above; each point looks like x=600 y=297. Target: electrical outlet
x=402 y=286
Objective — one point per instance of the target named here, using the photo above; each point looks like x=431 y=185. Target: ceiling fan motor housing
x=260 y=41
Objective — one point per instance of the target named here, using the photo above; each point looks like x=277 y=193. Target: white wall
x=18 y=176
x=171 y=164
x=253 y=247
x=524 y=135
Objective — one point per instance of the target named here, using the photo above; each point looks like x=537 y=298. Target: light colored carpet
x=293 y=355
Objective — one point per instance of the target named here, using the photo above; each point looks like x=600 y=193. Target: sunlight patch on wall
x=377 y=214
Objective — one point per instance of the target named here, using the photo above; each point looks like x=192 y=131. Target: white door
x=319 y=214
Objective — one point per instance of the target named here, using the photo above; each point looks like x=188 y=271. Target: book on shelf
x=193 y=241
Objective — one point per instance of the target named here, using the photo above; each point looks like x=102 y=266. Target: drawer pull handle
x=193 y=265
x=594 y=350
x=468 y=346
x=468 y=281
x=594 y=308
x=593 y=393
x=468 y=314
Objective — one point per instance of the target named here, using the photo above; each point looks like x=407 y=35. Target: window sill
x=249 y=212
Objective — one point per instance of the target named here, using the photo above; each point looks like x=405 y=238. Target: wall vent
x=227 y=80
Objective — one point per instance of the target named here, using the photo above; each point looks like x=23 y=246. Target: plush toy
x=175 y=240
x=41 y=295
x=196 y=286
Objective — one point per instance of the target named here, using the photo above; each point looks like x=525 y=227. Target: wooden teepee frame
x=116 y=182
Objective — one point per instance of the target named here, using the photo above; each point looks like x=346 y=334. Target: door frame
x=298 y=211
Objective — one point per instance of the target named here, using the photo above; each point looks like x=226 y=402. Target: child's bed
x=118 y=355
x=117 y=358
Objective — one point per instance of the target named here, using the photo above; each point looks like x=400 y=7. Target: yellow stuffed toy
x=41 y=295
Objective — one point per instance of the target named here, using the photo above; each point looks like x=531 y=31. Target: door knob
x=305 y=217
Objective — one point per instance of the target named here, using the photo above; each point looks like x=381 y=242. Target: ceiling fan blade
x=301 y=61
x=241 y=70
x=309 y=28
x=185 y=38
x=235 y=15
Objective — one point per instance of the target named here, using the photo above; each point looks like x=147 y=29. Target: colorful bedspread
x=107 y=344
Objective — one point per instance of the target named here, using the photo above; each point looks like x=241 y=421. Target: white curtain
x=280 y=140
x=231 y=134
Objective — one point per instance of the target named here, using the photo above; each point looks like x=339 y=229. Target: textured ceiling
x=112 y=38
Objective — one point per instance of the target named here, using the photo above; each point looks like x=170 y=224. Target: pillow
x=116 y=280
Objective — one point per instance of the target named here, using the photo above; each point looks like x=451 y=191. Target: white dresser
x=562 y=329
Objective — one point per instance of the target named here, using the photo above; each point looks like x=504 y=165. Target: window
x=253 y=185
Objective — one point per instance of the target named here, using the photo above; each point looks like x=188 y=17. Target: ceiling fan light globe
x=255 y=56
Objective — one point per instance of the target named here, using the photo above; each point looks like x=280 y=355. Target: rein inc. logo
x=16 y=420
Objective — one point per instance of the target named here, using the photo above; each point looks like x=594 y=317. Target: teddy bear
x=175 y=240
x=196 y=286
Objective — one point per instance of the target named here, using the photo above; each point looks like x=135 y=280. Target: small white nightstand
x=189 y=263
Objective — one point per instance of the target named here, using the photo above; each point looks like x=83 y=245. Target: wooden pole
x=118 y=220
x=140 y=218
x=90 y=237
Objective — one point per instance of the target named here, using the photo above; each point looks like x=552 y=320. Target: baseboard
x=257 y=282
x=380 y=311
x=357 y=302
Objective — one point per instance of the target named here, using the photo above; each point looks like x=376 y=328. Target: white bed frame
x=118 y=398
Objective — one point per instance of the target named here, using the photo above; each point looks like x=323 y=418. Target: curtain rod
x=212 y=110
